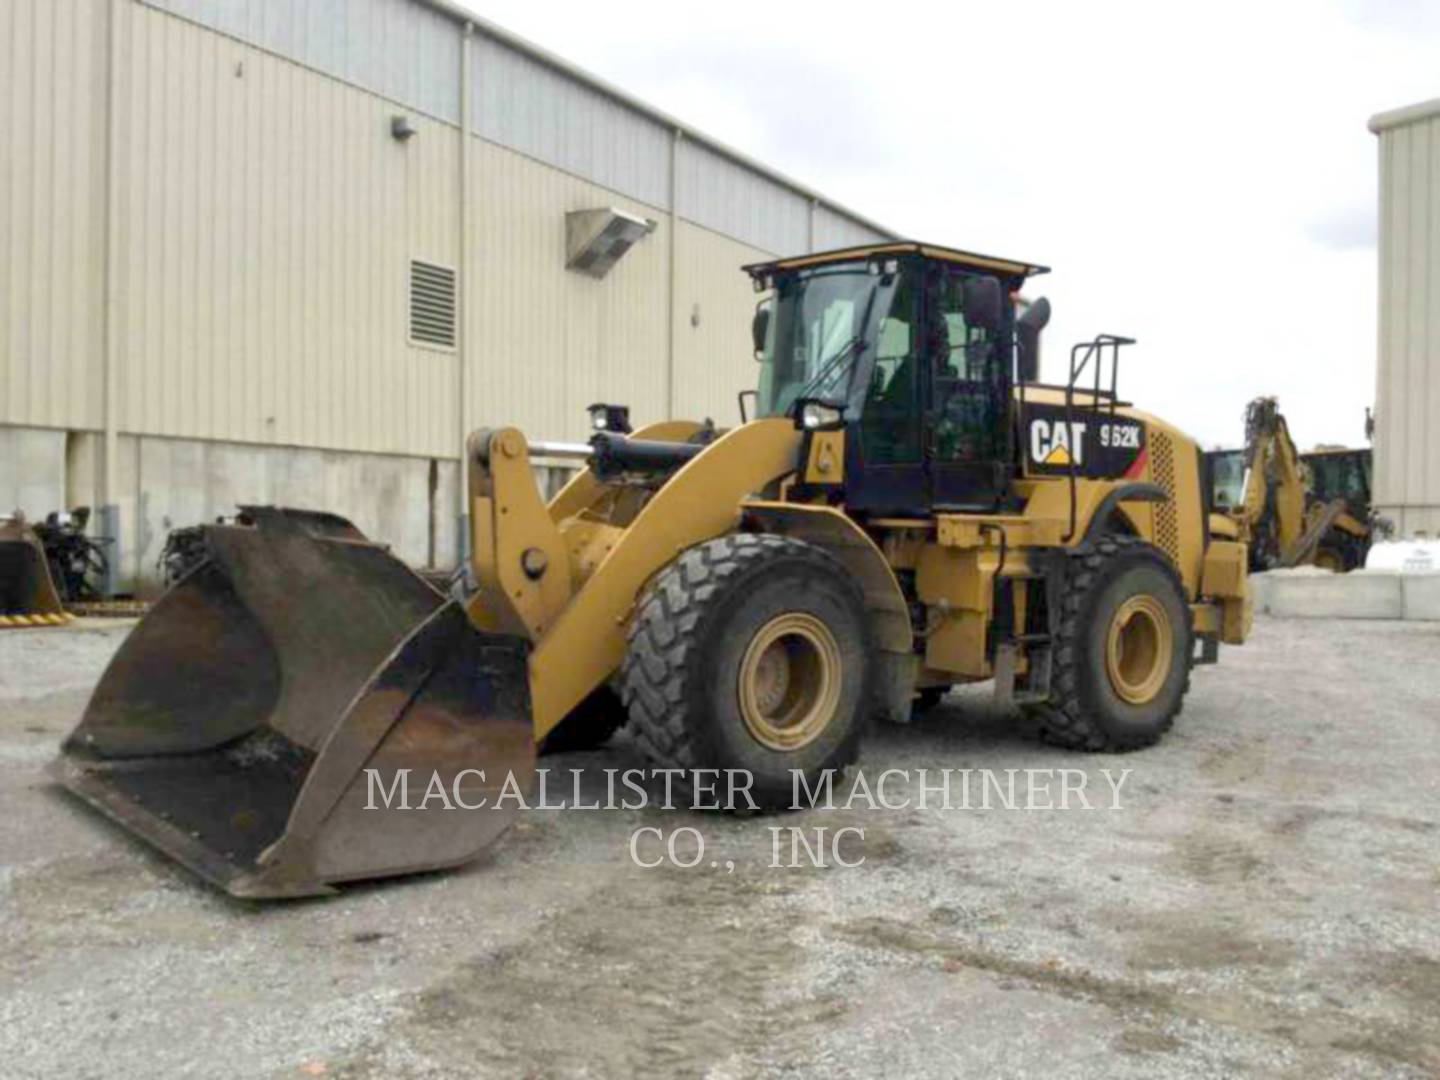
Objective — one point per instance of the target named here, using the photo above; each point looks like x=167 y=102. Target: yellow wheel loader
x=28 y=596
x=906 y=509
x=1296 y=509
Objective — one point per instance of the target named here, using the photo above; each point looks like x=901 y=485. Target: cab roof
x=903 y=247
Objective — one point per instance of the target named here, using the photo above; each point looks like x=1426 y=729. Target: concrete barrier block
x=1322 y=595
x=1421 y=598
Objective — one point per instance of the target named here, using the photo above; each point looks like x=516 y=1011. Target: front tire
x=588 y=726
x=750 y=652
x=927 y=698
x=1123 y=654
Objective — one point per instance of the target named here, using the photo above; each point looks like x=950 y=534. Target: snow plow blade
x=27 y=595
x=276 y=720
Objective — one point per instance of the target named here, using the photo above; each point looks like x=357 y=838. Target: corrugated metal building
x=210 y=234
x=1407 y=396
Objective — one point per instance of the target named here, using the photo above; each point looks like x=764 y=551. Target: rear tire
x=1124 y=652
x=750 y=652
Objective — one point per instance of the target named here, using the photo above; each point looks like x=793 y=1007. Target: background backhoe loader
x=1296 y=509
x=28 y=596
x=907 y=509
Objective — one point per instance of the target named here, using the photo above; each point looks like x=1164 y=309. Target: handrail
x=1094 y=349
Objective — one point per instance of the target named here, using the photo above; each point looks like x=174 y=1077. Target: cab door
x=884 y=445
x=967 y=400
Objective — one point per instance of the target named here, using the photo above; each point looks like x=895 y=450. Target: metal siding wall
x=730 y=199
x=1384 y=317
x=395 y=48
x=529 y=107
x=52 y=230
x=543 y=342
x=1423 y=386
x=264 y=219
x=1407 y=445
x=714 y=361
x=835 y=230
x=266 y=222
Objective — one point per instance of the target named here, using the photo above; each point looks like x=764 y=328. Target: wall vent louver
x=432 y=304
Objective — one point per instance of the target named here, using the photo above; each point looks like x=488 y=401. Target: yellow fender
x=896 y=665
x=832 y=530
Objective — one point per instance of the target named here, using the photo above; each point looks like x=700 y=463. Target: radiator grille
x=432 y=304
x=1162 y=470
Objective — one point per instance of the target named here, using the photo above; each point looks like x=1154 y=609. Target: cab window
x=967 y=410
x=890 y=429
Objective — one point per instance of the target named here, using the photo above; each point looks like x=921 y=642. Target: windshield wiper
x=854 y=345
x=811 y=389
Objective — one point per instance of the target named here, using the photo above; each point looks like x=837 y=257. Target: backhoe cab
x=908 y=510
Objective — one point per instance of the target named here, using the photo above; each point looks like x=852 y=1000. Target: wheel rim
x=790 y=681
x=1138 y=653
x=1330 y=560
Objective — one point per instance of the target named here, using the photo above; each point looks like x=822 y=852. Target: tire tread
x=1064 y=719
x=656 y=675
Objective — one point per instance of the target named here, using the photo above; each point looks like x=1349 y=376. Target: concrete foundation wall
x=32 y=471
x=406 y=502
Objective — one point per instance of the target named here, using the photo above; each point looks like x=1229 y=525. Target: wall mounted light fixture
x=401 y=128
x=595 y=240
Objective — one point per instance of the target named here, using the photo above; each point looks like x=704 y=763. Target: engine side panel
x=1101 y=443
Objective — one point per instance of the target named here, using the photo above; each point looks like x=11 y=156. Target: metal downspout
x=107 y=495
x=670 y=286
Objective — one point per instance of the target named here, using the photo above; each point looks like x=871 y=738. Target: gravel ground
x=1263 y=902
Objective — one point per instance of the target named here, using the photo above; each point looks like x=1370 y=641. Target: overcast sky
x=1199 y=177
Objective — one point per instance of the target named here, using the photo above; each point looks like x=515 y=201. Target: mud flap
x=278 y=720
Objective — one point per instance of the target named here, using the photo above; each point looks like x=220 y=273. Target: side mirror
x=760 y=327
x=984 y=302
x=1027 y=338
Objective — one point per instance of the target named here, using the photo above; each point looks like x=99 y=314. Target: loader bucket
x=27 y=595
x=280 y=719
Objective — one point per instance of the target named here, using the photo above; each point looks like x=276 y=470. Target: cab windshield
x=820 y=323
x=1227 y=472
x=1340 y=475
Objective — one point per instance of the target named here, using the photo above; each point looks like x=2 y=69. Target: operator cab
x=909 y=349
x=1341 y=474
